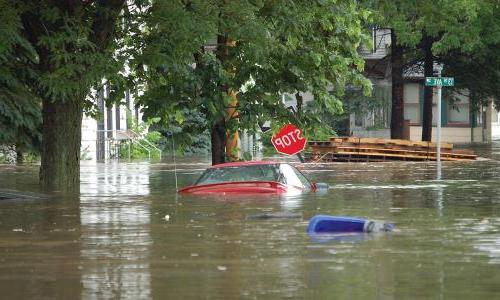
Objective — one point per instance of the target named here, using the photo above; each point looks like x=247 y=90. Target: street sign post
x=288 y=140
x=439 y=82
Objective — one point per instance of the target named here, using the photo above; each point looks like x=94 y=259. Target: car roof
x=244 y=163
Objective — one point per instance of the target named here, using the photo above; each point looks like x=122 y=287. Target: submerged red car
x=255 y=177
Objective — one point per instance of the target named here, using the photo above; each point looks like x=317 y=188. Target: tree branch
x=105 y=16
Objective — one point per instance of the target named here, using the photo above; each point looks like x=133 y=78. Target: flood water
x=128 y=236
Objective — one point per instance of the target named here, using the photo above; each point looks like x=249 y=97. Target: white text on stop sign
x=287 y=139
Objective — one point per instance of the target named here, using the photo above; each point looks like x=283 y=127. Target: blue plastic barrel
x=337 y=224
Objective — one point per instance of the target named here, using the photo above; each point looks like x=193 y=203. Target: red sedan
x=255 y=177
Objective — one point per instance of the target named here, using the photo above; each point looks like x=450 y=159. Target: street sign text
x=439 y=81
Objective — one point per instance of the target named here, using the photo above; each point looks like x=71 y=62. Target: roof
x=244 y=163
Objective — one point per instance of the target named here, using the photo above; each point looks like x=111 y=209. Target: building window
x=358 y=120
x=458 y=112
x=411 y=103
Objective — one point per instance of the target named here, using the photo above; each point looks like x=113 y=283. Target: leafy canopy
x=20 y=114
x=197 y=51
x=465 y=37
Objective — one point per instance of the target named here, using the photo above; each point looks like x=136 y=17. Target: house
x=460 y=122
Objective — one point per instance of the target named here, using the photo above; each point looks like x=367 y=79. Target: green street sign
x=439 y=81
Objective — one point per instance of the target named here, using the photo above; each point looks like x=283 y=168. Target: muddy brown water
x=128 y=236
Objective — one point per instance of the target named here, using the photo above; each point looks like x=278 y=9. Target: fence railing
x=133 y=138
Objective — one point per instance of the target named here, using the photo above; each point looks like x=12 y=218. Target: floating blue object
x=338 y=224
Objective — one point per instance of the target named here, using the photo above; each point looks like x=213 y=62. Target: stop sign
x=288 y=140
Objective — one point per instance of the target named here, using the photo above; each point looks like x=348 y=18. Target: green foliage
x=247 y=156
x=138 y=149
x=478 y=74
x=20 y=109
x=265 y=139
x=20 y=114
x=189 y=137
x=356 y=102
x=276 y=48
x=477 y=70
x=465 y=29
x=20 y=123
x=452 y=24
x=66 y=49
x=313 y=48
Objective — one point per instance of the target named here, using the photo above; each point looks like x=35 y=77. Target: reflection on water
x=115 y=239
x=128 y=235
x=485 y=235
x=436 y=186
x=291 y=202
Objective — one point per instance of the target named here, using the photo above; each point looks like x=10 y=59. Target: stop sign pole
x=288 y=140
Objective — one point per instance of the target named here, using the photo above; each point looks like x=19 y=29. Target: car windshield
x=283 y=173
x=240 y=173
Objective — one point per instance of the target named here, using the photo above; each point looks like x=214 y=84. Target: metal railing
x=148 y=143
x=133 y=138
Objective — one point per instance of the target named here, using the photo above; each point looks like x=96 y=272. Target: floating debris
x=276 y=215
x=11 y=195
x=345 y=224
x=354 y=149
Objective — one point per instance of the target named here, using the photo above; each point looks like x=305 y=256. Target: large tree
x=477 y=70
x=61 y=50
x=253 y=52
x=453 y=28
x=397 y=17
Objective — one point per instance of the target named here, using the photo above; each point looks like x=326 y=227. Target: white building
x=101 y=136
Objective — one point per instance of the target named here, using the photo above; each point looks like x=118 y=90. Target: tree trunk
x=218 y=142
x=60 y=169
x=19 y=156
x=300 y=102
x=397 y=110
x=232 y=137
x=230 y=140
x=428 y=72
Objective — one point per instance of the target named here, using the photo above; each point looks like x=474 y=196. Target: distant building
x=101 y=136
x=460 y=123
